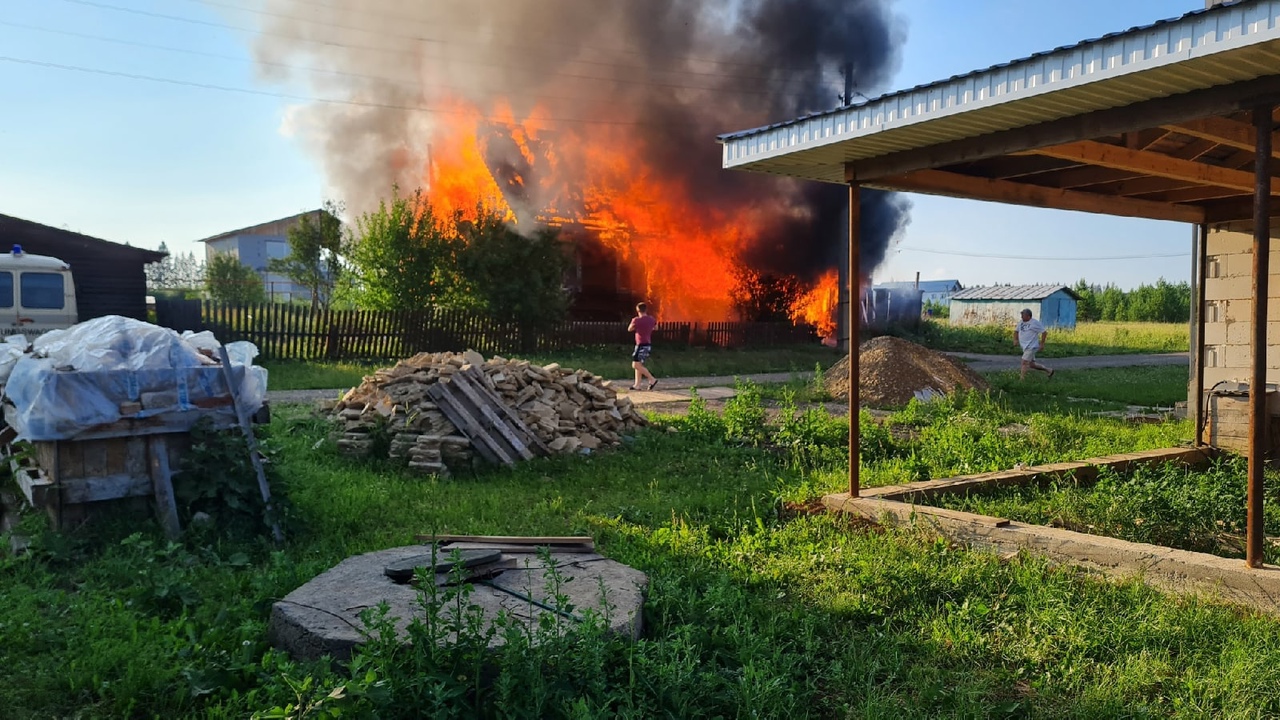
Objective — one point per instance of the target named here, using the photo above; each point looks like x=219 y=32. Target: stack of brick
x=569 y=410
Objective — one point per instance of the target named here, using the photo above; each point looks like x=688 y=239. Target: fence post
x=333 y=342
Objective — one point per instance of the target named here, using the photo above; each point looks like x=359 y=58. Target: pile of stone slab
x=568 y=411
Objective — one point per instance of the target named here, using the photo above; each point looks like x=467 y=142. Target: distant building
x=1053 y=305
x=109 y=277
x=256 y=246
x=932 y=291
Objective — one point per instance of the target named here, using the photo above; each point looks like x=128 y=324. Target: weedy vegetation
x=1202 y=510
x=757 y=606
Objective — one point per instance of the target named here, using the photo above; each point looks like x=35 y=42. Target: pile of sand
x=892 y=371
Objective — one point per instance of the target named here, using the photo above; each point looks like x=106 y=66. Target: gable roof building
x=1014 y=292
x=1053 y=305
x=257 y=245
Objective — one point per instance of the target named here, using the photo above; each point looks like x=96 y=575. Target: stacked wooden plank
x=441 y=409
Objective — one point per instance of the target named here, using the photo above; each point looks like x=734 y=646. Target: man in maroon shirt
x=642 y=325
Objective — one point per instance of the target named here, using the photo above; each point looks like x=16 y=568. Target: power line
x=1041 y=257
x=440 y=41
x=306 y=98
x=283 y=66
x=390 y=51
x=694 y=58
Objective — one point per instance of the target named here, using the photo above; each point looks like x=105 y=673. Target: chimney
x=917 y=279
x=1213 y=3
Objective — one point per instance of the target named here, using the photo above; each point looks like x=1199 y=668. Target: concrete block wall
x=1228 y=331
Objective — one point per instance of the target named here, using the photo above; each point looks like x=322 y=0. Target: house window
x=6 y=289
x=42 y=291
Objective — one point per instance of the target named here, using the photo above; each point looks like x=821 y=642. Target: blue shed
x=1053 y=305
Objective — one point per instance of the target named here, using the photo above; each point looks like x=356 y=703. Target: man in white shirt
x=1029 y=335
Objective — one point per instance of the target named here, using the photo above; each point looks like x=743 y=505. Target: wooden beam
x=1084 y=176
x=1156 y=164
x=938 y=182
x=1195 y=194
x=1143 y=139
x=1218 y=212
x=1141 y=185
x=1099 y=123
x=1194 y=149
x=1013 y=166
x=1220 y=130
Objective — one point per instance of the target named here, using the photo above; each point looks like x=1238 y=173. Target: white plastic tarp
x=79 y=378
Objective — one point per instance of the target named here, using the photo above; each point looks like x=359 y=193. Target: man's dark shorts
x=641 y=353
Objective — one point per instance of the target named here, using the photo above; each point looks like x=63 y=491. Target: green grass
x=1100 y=338
x=752 y=609
x=611 y=363
x=1156 y=386
x=1202 y=510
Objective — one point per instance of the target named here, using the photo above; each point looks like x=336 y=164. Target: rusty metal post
x=1201 y=258
x=1258 y=435
x=855 y=321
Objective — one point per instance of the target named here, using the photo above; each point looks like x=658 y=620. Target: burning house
x=599 y=119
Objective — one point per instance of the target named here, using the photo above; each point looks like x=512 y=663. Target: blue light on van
x=17 y=249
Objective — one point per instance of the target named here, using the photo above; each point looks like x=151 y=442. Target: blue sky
x=143 y=162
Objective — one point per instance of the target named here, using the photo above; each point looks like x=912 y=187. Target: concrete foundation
x=1165 y=568
x=323 y=616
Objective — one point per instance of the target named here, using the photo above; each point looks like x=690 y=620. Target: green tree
x=1112 y=304
x=514 y=277
x=1088 y=308
x=315 y=254
x=229 y=281
x=402 y=257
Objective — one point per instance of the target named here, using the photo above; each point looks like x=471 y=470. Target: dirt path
x=669 y=390
x=672 y=393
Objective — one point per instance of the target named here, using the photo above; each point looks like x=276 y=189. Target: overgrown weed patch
x=755 y=607
x=1197 y=509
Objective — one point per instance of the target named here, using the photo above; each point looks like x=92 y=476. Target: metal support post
x=1259 y=441
x=1199 y=412
x=854 y=320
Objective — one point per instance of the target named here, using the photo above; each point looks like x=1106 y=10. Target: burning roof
x=603 y=115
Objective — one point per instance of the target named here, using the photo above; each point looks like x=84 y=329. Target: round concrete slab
x=323 y=616
x=402 y=571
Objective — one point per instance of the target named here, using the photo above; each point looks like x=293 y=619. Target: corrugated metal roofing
x=1012 y=292
x=1229 y=43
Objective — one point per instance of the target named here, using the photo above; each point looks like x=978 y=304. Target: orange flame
x=819 y=306
x=458 y=182
x=681 y=251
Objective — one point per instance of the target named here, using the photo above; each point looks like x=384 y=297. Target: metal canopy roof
x=1013 y=292
x=1151 y=122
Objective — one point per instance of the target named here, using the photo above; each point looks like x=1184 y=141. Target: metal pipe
x=1199 y=263
x=855 y=317
x=1258 y=440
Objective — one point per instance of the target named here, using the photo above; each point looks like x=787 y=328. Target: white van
x=37 y=294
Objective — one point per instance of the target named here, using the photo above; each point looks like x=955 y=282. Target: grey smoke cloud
x=663 y=76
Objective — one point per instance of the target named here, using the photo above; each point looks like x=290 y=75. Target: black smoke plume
x=668 y=75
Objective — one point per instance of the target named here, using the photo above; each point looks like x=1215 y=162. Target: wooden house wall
x=109 y=278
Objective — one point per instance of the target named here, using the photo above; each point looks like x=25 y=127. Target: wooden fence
x=292 y=332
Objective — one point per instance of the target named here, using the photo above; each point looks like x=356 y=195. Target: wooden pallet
x=495 y=431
